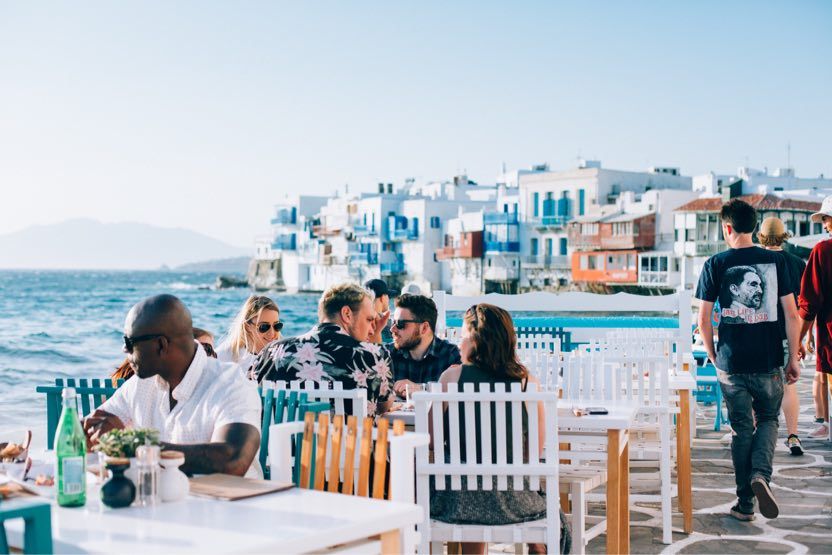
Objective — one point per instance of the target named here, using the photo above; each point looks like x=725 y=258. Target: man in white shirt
x=199 y=406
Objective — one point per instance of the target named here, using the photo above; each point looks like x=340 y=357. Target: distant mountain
x=236 y=265
x=90 y=244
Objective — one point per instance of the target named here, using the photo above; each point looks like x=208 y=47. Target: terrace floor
x=802 y=486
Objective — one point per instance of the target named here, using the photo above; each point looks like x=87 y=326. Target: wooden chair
x=348 y=457
x=92 y=392
x=37 y=517
x=448 y=462
x=282 y=406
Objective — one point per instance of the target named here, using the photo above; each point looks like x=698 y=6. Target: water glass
x=147 y=460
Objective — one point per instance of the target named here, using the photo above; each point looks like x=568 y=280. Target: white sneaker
x=821 y=432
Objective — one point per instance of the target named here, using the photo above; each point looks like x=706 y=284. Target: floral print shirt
x=327 y=353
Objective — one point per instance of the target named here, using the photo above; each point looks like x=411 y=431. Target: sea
x=63 y=324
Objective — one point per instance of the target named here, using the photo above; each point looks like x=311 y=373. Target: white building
x=750 y=181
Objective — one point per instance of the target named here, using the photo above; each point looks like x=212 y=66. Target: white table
x=293 y=521
x=616 y=424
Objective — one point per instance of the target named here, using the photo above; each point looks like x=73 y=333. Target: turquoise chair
x=37 y=518
x=709 y=392
x=281 y=406
x=91 y=392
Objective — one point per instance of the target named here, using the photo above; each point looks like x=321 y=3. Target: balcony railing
x=392 y=268
x=500 y=218
x=709 y=248
x=402 y=234
x=364 y=230
x=502 y=246
x=363 y=259
x=547 y=261
x=551 y=221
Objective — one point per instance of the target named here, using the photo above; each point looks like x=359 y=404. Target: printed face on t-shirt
x=749 y=294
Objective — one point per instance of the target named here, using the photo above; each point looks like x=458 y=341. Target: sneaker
x=793 y=443
x=821 y=432
x=739 y=514
x=765 y=499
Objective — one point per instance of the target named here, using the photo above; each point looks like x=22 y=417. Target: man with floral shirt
x=335 y=350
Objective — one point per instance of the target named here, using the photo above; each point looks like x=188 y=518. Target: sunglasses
x=401 y=324
x=130 y=342
x=209 y=349
x=264 y=327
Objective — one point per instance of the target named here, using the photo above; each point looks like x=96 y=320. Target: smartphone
x=596 y=410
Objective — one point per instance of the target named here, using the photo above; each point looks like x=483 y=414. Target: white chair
x=333 y=392
x=465 y=475
x=353 y=455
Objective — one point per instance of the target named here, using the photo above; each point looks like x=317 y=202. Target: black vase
x=118 y=491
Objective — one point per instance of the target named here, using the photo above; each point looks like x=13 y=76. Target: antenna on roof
x=789 y=154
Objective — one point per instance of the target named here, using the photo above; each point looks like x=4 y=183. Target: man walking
x=750 y=282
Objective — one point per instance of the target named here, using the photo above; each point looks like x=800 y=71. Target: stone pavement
x=802 y=486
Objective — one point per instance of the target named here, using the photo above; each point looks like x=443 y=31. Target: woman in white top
x=256 y=325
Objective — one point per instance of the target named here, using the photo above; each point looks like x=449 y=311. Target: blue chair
x=283 y=406
x=92 y=392
x=709 y=392
x=37 y=518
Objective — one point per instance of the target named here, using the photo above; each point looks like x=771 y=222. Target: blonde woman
x=256 y=325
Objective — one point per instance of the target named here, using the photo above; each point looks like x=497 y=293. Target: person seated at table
x=381 y=304
x=199 y=405
x=418 y=355
x=489 y=356
x=256 y=325
x=337 y=349
x=205 y=338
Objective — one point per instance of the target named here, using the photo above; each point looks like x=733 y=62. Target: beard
x=407 y=344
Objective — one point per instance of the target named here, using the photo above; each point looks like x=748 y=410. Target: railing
x=548 y=261
x=650 y=277
x=364 y=258
x=283 y=220
x=502 y=246
x=709 y=248
x=363 y=230
x=551 y=221
x=500 y=218
x=402 y=234
x=392 y=268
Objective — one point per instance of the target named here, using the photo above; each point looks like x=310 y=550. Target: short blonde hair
x=338 y=296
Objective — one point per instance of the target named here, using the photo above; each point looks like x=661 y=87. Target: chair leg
x=664 y=474
x=4 y=542
x=578 y=517
x=37 y=535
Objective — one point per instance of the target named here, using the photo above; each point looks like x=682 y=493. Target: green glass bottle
x=71 y=454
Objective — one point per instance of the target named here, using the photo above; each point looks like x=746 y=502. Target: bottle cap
x=68 y=393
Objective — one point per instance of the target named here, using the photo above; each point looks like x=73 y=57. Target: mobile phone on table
x=596 y=410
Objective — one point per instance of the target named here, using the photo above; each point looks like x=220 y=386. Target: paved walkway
x=802 y=486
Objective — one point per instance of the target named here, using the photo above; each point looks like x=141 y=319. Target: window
x=581 y=201
x=434 y=222
x=549 y=247
x=564 y=243
x=533 y=246
x=536 y=204
x=584 y=262
x=595 y=262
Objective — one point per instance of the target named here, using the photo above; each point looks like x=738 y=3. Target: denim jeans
x=752 y=448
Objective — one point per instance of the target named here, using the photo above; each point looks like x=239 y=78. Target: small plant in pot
x=123 y=444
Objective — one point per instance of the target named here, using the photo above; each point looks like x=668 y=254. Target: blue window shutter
x=536 y=202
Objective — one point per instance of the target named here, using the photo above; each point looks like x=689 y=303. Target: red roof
x=759 y=202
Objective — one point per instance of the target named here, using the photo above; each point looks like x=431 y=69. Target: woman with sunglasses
x=256 y=325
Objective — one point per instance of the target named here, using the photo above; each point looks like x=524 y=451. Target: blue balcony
x=552 y=221
x=284 y=243
x=500 y=218
x=285 y=216
x=363 y=259
x=502 y=246
x=392 y=268
x=362 y=230
x=402 y=234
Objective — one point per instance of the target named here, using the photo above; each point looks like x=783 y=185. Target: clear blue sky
x=201 y=114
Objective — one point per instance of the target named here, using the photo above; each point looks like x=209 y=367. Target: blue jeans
x=752 y=448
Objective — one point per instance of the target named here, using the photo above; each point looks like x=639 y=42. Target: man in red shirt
x=815 y=299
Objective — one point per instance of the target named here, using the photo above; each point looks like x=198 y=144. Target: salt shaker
x=173 y=484
x=147 y=458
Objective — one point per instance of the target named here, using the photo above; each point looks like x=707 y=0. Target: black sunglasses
x=264 y=327
x=130 y=342
x=401 y=324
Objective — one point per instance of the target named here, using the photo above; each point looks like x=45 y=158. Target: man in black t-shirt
x=772 y=235
x=750 y=283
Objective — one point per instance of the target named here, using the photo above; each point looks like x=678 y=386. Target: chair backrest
x=91 y=394
x=492 y=454
x=282 y=406
x=343 y=401
x=344 y=455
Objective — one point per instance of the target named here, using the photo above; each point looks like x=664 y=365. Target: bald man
x=200 y=406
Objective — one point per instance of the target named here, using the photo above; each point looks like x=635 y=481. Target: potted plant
x=123 y=444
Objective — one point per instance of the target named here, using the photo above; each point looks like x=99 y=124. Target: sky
x=204 y=114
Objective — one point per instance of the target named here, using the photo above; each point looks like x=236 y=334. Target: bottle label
x=73 y=475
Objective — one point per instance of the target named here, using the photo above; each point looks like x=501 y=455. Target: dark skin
x=232 y=447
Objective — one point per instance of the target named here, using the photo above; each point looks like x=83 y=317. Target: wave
x=51 y=355
x=182 y=286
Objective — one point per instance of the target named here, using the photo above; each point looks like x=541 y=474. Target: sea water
x=64 y=324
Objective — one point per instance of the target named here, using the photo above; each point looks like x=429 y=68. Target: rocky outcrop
x=265 y=275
